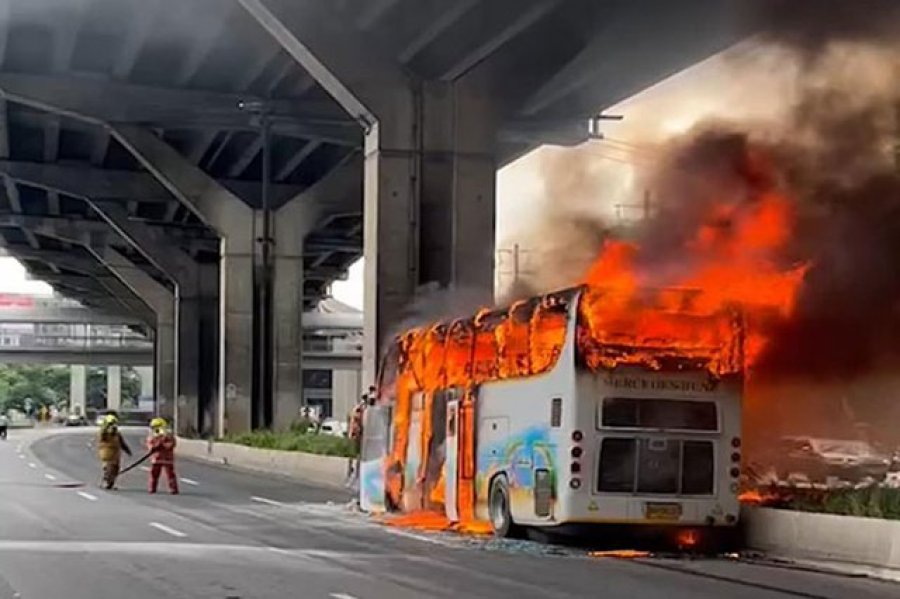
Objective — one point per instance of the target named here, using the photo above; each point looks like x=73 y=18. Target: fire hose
x=140 y=461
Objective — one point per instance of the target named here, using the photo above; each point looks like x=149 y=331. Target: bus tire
x=499 y=510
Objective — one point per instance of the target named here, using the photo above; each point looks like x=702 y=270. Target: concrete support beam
x=234 y=222
x=163 y=304
x=92 y=269
x=113 y=102
x=338 y=192
x=429 y=163
x=114 y=388
x=77 y=389
x=146 y=373
x=86 y=181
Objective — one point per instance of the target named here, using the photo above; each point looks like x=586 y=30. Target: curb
x=321 y=470
x=846 y=545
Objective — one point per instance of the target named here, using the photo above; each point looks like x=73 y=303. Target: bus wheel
x=499 y=510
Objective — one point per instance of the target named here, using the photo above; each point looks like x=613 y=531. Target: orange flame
x=730 y=262
x=705 y=304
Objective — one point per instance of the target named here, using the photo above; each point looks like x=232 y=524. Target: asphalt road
x=233 y=535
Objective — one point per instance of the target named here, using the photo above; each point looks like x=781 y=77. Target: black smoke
x=809 y=26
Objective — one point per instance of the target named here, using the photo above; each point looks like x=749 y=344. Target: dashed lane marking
x=87 y=496
x=32 y=465
x=189 y=481
x=341 y=596
x=266 y=501
x=168 y=530
x=145 y=468
x=49 y=477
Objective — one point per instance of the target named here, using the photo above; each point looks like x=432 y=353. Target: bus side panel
x=515 y=439
x=374 y=451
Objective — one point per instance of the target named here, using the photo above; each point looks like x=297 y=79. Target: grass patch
x=295 y=441
x=868 y=502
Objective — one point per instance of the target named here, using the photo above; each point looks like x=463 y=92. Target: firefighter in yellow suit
x=110 y=445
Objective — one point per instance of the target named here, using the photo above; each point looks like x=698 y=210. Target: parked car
x=819 y=459
x=333 y=426
x=76 y=420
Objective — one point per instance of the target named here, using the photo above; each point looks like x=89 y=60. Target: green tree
x=43 y=385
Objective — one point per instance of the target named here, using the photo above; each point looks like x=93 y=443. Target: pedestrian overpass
x=61 y=333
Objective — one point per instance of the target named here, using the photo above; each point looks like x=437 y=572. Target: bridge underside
x=206 y=168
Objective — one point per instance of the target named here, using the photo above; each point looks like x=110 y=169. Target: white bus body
x=629 y=445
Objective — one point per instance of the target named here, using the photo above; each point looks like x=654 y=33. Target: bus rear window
x=656 y=414
x=656 y=466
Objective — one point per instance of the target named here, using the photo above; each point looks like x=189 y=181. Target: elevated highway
x=209 y=167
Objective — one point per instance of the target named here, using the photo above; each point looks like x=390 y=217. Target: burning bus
x=576 y=407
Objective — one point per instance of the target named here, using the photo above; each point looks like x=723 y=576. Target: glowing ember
x=751 y=497
x=435 y=522
x=688 y=539
x=620 y=553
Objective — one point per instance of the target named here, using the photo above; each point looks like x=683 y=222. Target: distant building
x=333 y=328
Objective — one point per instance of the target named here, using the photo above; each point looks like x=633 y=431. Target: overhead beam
x=294 y=162
x=12 y=194
x=595 y=76
x=208 y=31
x=86 y=181
x=52 y=128
x=118 y=102
x=372 y=11
x=153 y=243
x=68 y=25
x=248 y=155
x=94 y=268
x=516 y=25
x=353 y=73
x=141 y=26
x=435 y=28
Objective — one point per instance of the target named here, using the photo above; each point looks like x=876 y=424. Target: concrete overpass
x=206 y=167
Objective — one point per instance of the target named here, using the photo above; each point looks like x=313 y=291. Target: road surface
x=233 y=535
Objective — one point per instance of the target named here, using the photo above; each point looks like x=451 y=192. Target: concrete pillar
x=444 y=180
x=346 y=389
x=163 y=304
x=233 y=221
x=429 y=167
x=77 y=389
x=146 y=374
x=339 y=192
x=187 y=368
x=287 y=305
x=114 y=388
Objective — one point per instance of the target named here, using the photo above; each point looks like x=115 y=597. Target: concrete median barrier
x=306 y=467
x=847 y=543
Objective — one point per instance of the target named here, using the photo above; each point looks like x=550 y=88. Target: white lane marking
x=341 y=596
x=145 y=468
x=168 y=530
x=87 y=496
x=21 y=456
x=189 y=481
x=32 y=465
x=49 y=477
x=266 y=501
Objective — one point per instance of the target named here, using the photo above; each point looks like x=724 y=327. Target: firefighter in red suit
x=161 y=442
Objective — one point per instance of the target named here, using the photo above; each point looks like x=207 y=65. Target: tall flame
x=732 y=260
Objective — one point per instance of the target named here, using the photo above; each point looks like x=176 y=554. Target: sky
x=14 y=279
x=741 y=81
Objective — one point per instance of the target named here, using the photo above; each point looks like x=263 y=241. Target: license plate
x=663 y=511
